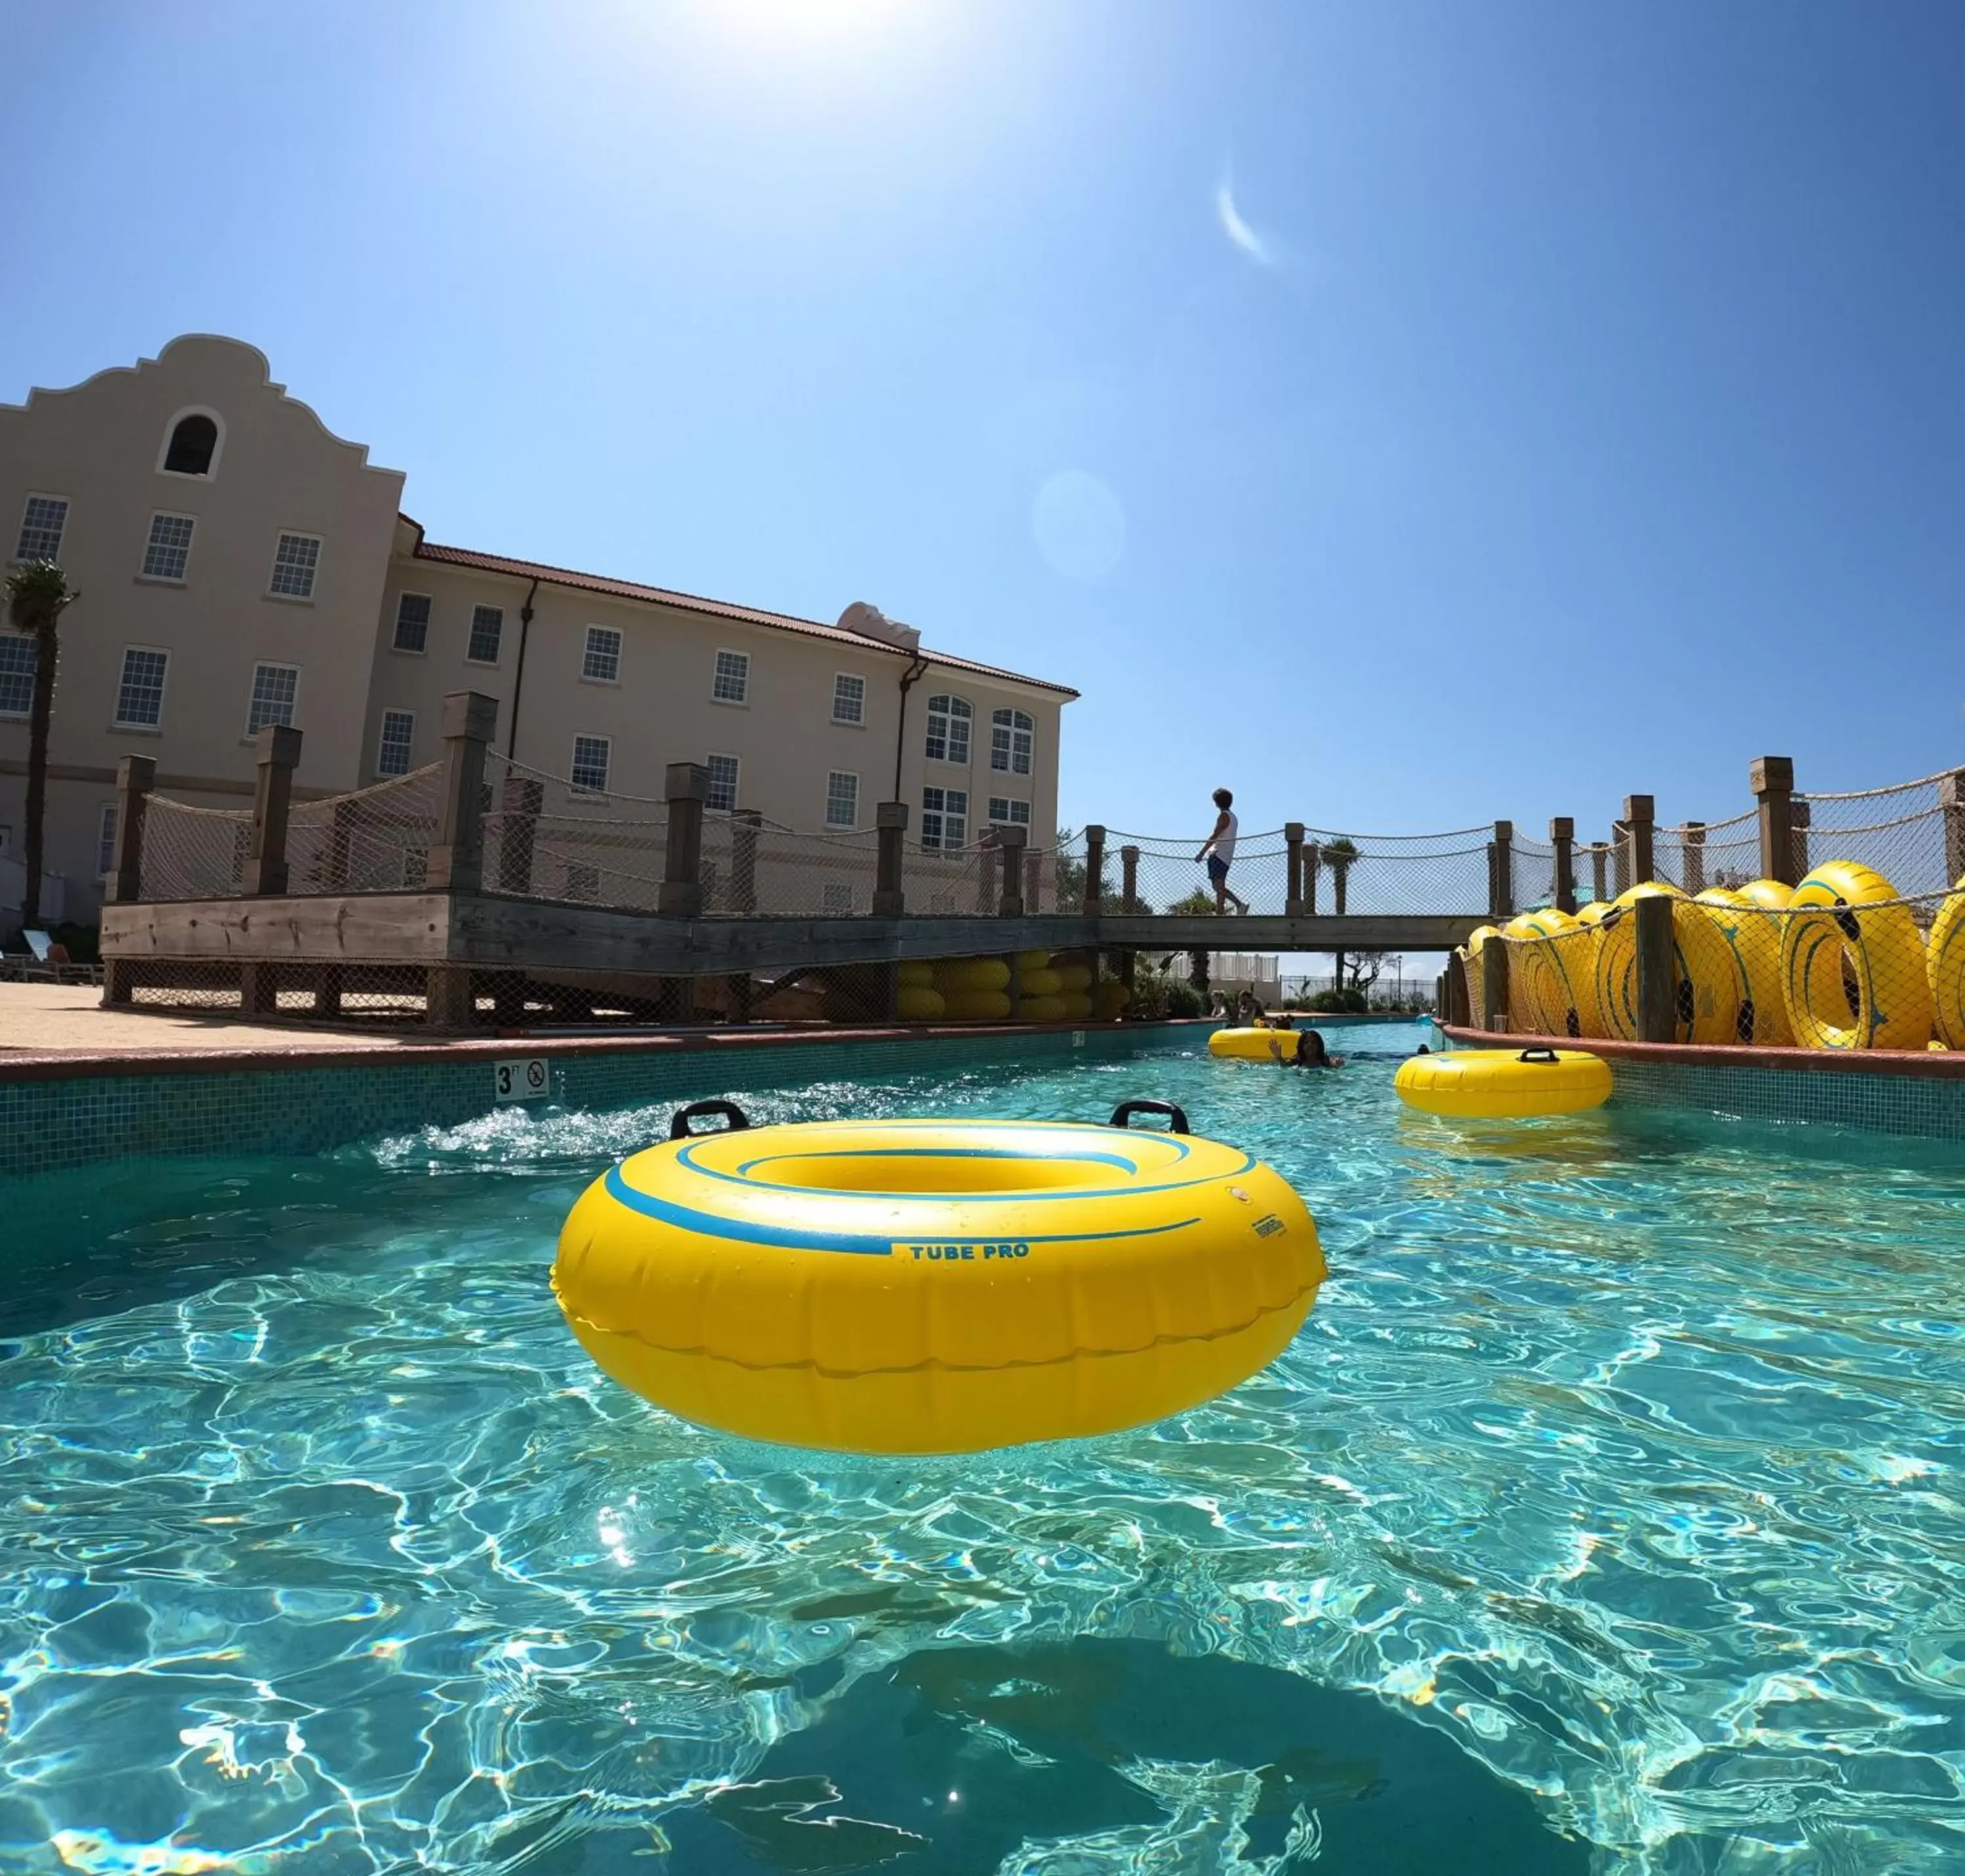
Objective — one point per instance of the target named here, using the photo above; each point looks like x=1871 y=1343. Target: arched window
x=193 y=447
x=1010 y=736
x=948 y=721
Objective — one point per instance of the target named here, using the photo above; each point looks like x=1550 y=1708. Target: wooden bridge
x=476 y=872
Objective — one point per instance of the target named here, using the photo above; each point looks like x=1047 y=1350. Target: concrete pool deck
x=40 y=1019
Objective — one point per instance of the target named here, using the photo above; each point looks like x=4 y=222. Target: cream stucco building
x=239 y=565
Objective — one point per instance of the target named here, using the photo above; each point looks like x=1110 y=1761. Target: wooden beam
x=383 y=927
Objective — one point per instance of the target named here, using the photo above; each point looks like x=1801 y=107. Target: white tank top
x=1224 y=841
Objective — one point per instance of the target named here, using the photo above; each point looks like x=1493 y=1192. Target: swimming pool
x=1609 y=1499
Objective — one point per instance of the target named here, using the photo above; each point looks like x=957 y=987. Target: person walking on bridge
x=1218 y=850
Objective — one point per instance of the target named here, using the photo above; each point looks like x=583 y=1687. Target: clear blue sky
x=1564 y=400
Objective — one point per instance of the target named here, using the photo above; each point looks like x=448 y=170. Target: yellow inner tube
x=1551 y=968
x=1944 y=970
x=1503 y=1084
x=1707 y=981
x=935 y=1286
x=1254 y=1045
x=1753 y=935
x=1853 y=963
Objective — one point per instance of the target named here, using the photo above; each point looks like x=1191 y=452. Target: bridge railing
x=478 y=821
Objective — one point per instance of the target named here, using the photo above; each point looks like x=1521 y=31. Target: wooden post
x=1620 y=858
x=1129 y=893
x=1494 y=984
x=1598 y=855
x=457 y=856
x=1011 y=840
x=279 y=755
x=985 y=881
x=1640 y=812
x=523 y=798
x=136 y=776
x=1313 y=864
x=1562 y=838
x=1457 y=1008
x=745 y=825
x=1293 y=873
x=278 y=751
x=447 y=998
x=1095 y=878
x=890 y=823
x=1657 y=970
x=1771 y=777
x=1951 y=799
x=686 y=787
x=1501 y=871
x=1694 y=834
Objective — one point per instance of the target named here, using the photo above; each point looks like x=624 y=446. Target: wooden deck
x=486 y=930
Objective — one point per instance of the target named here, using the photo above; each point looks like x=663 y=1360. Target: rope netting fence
x=545 y=837
x=191 y=852
x=1355 y=874
x=1028 y=987
x=372 y=840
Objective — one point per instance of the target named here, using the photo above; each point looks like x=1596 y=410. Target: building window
x=948 y=721
x=487 y=627
x=42 y=523
x=842 y=800
x=836 y=896
x=722 y=784
x=849 y=699
x=1004 y=813
x=1010 y=736
x=944 y=818
x=589 y=773
x=168 y=549
x=273 y=688
x=295 y=560
x=583 y=880
x=733 y=682
x=20 y=653
x=194 y=442
x=602 y=663
x=105 y=842
x=392 y=752
x=139 y=694
x=413 y=612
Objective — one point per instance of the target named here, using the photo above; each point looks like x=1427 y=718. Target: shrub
x=1334 y=1000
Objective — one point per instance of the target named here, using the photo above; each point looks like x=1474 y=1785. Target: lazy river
x=1605 y=1515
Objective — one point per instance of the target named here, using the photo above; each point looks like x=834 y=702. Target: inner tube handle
x=680 y=1127
x=1176 y=1116
x=1539 y=1055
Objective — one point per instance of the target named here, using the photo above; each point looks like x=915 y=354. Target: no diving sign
x=527 y=1078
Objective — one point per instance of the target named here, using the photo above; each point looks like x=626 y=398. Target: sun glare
x=806 y=22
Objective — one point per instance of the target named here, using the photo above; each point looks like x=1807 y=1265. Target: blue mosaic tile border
x=1882 y=1104
x=49 y=1126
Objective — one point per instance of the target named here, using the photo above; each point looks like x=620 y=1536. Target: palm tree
x=1341 y=855
x=37 y=594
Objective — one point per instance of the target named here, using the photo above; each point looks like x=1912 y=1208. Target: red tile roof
x=690 y=602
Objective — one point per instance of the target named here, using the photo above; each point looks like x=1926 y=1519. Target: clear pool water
x=1604 y=1517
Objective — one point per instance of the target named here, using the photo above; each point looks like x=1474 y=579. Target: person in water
x=1218 y=850
x=1311 y=1052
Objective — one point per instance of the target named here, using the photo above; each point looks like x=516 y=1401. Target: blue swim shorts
x=1218 y=870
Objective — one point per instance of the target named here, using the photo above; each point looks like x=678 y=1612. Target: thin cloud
x=1262 y=253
